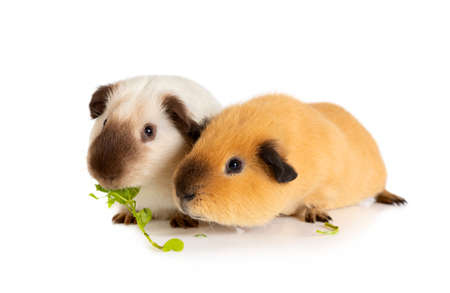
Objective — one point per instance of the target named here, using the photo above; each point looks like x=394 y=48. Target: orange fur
x=337 y=161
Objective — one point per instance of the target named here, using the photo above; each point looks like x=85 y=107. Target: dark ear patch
x=197 y=129
x=281 y=171
x=177 y=112
x=98 y=101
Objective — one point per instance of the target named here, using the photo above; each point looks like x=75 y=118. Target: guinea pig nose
x=188 y=197
x=111 y=178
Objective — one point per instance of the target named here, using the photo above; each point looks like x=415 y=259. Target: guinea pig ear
x=280 y=169
x=196 y=130
x=99 y=99
x=179 y=115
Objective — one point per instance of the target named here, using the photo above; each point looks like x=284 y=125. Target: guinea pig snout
x=109 y=153
x=188 y=178
x=185 y=195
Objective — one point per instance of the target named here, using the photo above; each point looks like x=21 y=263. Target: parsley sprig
x=126 y=197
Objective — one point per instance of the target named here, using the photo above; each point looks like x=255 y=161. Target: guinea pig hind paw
x=386 y=197
x=182 y=221
x=124 y=218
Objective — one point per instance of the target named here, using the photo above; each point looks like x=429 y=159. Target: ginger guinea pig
x=143 y=128
x=275 y=155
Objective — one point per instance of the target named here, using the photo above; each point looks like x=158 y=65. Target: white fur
x=138 y=101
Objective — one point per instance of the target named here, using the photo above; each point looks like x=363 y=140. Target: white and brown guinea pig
x=143 y=128
x=275 y=155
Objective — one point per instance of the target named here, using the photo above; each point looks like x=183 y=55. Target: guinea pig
x=275 y=155
x=143 y=128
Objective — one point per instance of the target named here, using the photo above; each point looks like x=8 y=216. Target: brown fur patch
x=99 y=99
x=179 y=115
x=187 y=176
x=114 y=147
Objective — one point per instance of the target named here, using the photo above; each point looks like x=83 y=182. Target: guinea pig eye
x=149 y=132
x=104 y=122
x=234 y=166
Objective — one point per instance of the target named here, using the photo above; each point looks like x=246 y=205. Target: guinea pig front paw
x=124 y=217
x=311 y=214
x=180 y=220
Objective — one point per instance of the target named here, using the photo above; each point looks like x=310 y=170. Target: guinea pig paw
x=386 y=197
x=182 y=221
x=323 y=217
x=310 y=214
x=124 y=217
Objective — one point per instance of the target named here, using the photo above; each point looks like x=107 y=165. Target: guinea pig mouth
x=183 y=207
x=112 y=183
x=199 y=218
x=196 y=217
x=109 y=182
x=115 y=186
x=109 y=185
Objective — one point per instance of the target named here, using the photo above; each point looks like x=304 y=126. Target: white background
x=385 y=61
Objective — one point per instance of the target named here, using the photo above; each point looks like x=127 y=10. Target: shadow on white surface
x=286 y=232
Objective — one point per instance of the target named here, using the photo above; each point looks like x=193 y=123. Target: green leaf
x=200 y=235
x=98 y=187
x=174 y=244
x=93 y=195
x=117 y=197
x=332 y=229
x=133 y=192
x=327 y=232
x=144 y=216
x=111 y=201
x=125 y=193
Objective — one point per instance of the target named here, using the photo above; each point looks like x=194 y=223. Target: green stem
x=151 y=241
x=333 y=227
x=131 y=205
